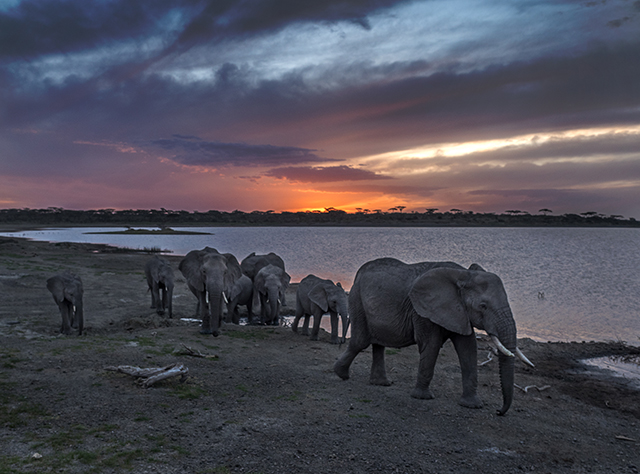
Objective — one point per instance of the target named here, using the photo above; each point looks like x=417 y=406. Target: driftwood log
x=148 y=376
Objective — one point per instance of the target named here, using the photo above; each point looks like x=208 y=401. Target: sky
x=295 y=105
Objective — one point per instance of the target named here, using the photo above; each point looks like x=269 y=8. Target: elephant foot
x=341 y=371
x=337 y=340
x=160 y=312
x=384 y=381
x=422 y=393
x=470 y=402
x=313 y=337
x=206 y=331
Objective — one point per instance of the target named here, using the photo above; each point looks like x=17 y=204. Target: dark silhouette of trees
x=330 y=216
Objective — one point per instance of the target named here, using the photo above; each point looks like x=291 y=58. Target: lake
x=564 y=284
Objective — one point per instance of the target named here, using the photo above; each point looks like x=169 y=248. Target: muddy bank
x=268 y=402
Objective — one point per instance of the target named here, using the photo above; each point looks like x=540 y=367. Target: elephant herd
x=218 y=280
x=391 y=304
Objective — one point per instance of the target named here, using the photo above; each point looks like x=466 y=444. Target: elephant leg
x=305 y=325
x=342 y=365
x=335 y=339
x=299 y=314
x=155 y=295
x=317 y=318
x=466 y=347
x=250 y=311
x=429 y=348
x=295 y=322
x=263 y=309
x=378 y=370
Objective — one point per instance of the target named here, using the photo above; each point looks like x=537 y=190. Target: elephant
x=394 y=304
x=270 y=283
x=241 y=293
x=160 y=280
x=315 y=297
x=252 y=264
x=210 y=276
x=67 y=292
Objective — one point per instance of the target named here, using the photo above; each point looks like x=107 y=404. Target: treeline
x=329 y=217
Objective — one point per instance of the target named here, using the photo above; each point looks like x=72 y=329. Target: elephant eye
x=483 y=306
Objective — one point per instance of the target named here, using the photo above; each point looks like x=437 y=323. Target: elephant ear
x=435 y=295
x=286 y=279
x=234 y=271
x=190 y=267
x=56 y=287
x=318 y=296
x=477 y=268
x=259 y=283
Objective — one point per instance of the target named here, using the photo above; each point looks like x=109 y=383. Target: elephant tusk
x=501 y=348
x=523 y=357
x=225 y=298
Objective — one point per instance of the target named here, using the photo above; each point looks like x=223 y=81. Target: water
x=564 y=284
x=627 y=367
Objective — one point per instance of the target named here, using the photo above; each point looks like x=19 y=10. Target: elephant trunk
x=215 y=308
x=274 y=304
x=169 y=300
x=79 y=316
x=344 y=315
x=506 y=332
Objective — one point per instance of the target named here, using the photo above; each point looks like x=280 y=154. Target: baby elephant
x=316 y=296
x=66 y=289
x=241 y=294
x=160 y=280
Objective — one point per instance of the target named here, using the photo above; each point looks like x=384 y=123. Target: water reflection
x=588 y=277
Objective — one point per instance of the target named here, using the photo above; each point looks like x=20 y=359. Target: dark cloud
x=36 y=27
x=324 y=174
x=221 y=19
x=192 y=151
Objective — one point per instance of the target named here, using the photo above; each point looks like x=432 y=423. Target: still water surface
x=564 y=284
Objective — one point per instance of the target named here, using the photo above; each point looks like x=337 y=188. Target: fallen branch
x=526 y=389
x=149 y=376
x=192 y=352
x=625 y=438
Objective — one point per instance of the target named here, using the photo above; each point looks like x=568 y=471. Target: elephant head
x=460 y=300
x=253 y=263
x=210 y=276
x=330 y=297
x=271 y=283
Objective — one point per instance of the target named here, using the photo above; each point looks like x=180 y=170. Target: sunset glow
x=350 y=105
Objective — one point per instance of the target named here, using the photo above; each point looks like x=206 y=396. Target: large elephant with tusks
x=394 y=304
x=210 y=276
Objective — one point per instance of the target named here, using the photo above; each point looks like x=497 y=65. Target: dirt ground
x=268 y=400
